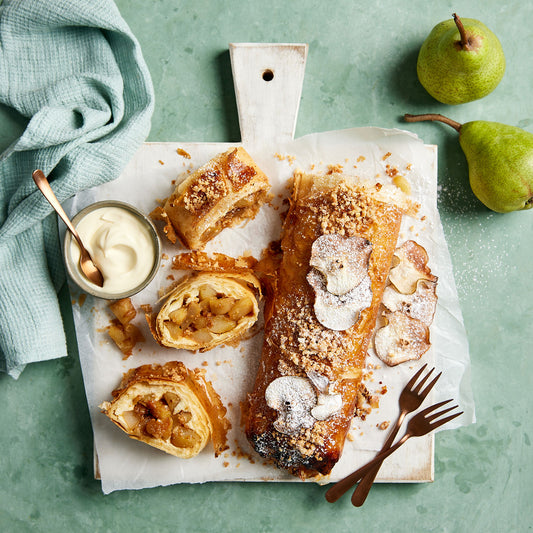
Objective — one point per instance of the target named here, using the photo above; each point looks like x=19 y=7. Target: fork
x=411 y=399
x=421 y=424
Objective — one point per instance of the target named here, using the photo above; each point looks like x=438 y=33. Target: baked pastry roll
x=207 y=309
x=226 y=191
x=338 y=242
x=171 y=408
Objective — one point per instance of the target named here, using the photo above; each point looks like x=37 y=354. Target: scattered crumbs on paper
x=281 y=157
x=361 y=158
x=384 y=425
x=81 y=299
x=386 y=156
x=161 y=162
x=183 y=153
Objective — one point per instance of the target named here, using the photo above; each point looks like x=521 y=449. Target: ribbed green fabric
x=74 y=69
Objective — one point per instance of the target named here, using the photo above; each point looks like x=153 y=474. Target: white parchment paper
x=123 y=463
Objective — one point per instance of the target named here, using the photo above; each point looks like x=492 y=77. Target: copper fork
x=422 y=423
x=411 y=399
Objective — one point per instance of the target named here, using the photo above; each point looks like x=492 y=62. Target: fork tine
x=417 y=388
x=431 y=408
x=446 y=420
x=440 y=413
x=425 y=392
x=412 y=381
x=424 y=379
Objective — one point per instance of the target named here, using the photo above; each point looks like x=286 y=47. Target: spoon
x=86 y=263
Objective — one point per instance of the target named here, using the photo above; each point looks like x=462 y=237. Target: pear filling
x=209 y=313
x=162 y=419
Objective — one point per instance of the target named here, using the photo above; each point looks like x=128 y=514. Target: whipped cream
x=120 y=245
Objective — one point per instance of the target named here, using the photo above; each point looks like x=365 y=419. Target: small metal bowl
x=73 y=268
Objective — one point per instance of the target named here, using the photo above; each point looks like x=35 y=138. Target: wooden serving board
x=268 y=81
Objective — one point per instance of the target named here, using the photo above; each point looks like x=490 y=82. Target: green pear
x=500 y=161
x=460 y=61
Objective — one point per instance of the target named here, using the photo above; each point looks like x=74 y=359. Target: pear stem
x=465 y=43
x=433 y=117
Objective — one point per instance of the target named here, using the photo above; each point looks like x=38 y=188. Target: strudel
x=338 y=241
x=170 y=408
x=207 y=309
x=226 y=191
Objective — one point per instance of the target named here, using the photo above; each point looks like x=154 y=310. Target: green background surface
x=361 y=70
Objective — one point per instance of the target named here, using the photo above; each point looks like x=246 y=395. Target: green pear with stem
x=460 y=61
x=500 y=161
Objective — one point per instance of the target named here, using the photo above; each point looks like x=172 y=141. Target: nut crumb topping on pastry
x=206 y=190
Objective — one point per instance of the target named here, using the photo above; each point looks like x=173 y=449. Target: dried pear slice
x=402 y=339
x=343 y=261
x=410 y=266
x=420 y=305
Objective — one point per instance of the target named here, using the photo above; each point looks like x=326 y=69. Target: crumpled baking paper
x=123 y=463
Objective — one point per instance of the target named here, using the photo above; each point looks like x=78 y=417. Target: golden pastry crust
x=170 y=408
x=207 y=309
x=226 y=191
x=297 y=344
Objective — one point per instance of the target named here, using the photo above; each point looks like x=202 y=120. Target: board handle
x=268 y=80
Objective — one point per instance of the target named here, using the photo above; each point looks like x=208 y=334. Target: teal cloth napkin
x=74 y=69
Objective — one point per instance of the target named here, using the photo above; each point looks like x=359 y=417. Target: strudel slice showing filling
x=170 y=408
x=338 y=241
x=207 y=309
x=224 y=192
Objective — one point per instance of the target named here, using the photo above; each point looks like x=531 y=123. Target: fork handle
x=362 y=490
x=335 y=492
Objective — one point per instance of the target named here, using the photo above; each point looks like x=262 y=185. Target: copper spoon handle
x=91 y=271
x=44 y=186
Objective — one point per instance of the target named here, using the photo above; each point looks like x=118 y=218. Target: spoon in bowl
x=87 y=265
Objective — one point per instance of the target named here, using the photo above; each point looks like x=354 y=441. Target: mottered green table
x=361 y=71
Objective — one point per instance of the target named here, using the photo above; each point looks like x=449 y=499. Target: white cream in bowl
x=122 y=242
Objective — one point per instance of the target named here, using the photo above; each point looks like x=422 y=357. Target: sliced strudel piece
x=207 y=309
x=224 y=192
x=171 y=408
x=338 y=241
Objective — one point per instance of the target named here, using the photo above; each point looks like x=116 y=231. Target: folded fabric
x=76 y=72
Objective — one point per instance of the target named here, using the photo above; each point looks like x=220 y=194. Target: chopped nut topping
x=205 y=192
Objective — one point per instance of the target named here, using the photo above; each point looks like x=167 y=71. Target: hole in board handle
x=268 y=75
